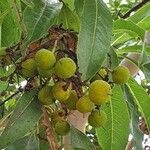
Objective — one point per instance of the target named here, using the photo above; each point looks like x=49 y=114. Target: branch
x=130 y=144
x=51 y=137
x=2 y=103
x=135 y=8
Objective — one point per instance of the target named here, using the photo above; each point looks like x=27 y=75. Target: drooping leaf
x=114 y=134
x=112 y=59
x=134 y=48
x=145 y=23
x=141 y=98
x=10 y=30
x=22 y=121
x=80 y=140
x=70 y=4
x=94 y=37
x=129 y=27
x=134 y=125
x=79 y=7
x=141 y=14
x=39 y=18
x=26 y=143
x=68 y=18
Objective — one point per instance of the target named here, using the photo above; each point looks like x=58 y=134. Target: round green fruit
x=72 y=100
x=97 y=118
x=60 y=93
x=28 y=68
x=99 y=92
x=62 y=127
x=65 y=68
x=84 y=104
x=101 y=75
x=45 y=73
x=56 y=117
x=45 y=59
x=120 y=75
x=45 y=95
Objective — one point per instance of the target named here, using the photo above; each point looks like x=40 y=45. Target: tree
x=68 y=74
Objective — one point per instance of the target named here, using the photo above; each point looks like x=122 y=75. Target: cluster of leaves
x=24 y=29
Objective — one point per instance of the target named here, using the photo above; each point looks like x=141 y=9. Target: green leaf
x=141 y=98
x=94 y=37
x=40 y=18
x=113 y=59
x=79 y=7
x=27 y=143
x=70 y=4
x=44 y=145
x=136 y=132
x=114 y=134
x=145 y=23
x=134 y=48
x=69 y=19
x=146 y=70
x=129 y=27
x=80 y=140
x=142 y=13
x=10 y=29
x=120 y=38
x=22 y=121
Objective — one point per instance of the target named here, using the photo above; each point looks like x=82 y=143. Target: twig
x=135 y=8
x=2 y=103
x=51 y=137
x=130 y=144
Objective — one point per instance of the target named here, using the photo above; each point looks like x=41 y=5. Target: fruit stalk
x=51 y=137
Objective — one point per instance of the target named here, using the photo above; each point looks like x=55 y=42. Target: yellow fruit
x=99 y=92
x=45 y=95
x=59 y=92
x=97 y=118
x=28 y=68
x=65 y=68
x=120 y=75
x=45 y=73
x=62 y=127
x=84 y=104
x=101 y=75
x=72 y=100
x=45 y=59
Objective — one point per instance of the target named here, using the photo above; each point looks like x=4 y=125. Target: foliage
x=95 y=36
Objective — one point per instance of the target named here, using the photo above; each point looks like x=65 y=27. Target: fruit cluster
x=98 y=92
x=61 y=89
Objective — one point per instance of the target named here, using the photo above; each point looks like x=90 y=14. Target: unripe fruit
x=101 y=75
x=120 y=75
x=45 y=95
x=84 y=104
x=56 y=117
x=45 y=59
x=62 y=127
x=72 y=100
x=59 y=92
x=65 y=68
x=28 y=68
x=45 y=73
x=97 y=118
x=99 y=92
